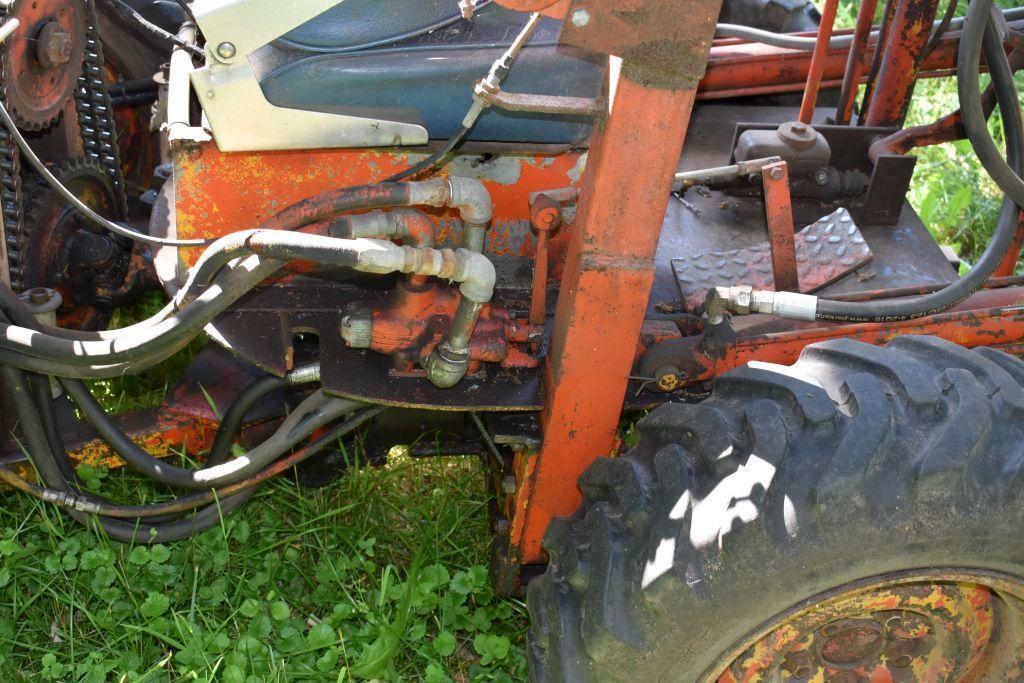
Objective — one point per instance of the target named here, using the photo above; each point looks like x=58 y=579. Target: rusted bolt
x=53 y=48
x=798 y=664
x=776 y=174
x=668 y=377
x=509 y=484
x=545 y=213
x=580 y=18
x=226 y=50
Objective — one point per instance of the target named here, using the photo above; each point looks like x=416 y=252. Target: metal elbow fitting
x=744 y=300
x=467 y=195
x=449 y=362
x=477 y=277
x=446 y=366
x=473 y=201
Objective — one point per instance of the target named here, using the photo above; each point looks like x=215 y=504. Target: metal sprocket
x=42 y=60
x=65 y=252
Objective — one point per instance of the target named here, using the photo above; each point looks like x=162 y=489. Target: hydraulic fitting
x=744 y=300
x=468 y=196
x=446 y=366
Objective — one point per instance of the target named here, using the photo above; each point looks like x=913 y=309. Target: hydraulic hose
x=45 y=462
x=1009 y=217
x=73 y=501
x=979 y=33
x=152 y=344
x=219 y=452
x=806 y=307
x=231 y=423
x=315 y=412
x=131 y=14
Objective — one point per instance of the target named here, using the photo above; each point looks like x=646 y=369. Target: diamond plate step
x=826 y=250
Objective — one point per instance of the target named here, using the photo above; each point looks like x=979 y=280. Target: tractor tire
x=854 y=517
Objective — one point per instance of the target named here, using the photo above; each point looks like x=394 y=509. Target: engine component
x=42 y=61
x=64 y=253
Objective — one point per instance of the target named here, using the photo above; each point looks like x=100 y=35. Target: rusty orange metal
x=1008 y=266
x=938 y=627
x=817 y=66
x=545 y=217
x=855 y=61
x=252 y=187
x=415 y=318
x=900 y=62
x=779 y=212
x=991 y=317
x=737 y=69
x=608 y=273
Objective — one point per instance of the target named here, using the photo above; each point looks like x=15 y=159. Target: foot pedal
x=826 y=250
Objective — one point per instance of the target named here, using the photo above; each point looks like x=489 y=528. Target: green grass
x=379 y=576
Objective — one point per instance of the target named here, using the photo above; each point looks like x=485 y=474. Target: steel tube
x=817 y=68
x=855 y=61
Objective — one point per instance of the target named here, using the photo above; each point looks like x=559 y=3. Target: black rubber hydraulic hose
x=231 y=423
x=220 y=451
x=892 y=310
x=193 y=500
x=155 y=31
x=315 y=412
x=978 y=31
x=46 y=464
x=152 y=344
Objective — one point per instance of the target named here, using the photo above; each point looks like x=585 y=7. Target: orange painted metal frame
x=602 y=301
x=900 y=62
x=990 y=317
x=817 y=66
x=779 y=212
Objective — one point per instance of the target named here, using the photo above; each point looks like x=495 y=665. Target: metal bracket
x=241 y=117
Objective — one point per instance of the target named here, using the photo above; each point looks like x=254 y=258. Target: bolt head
x=509 y=485
x=821 y=176
x=226 y=50
x=776 y=174
x=668 y=378
x=580 y=18
x=54 y=46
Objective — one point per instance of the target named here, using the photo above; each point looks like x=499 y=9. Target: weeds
x=380 y=576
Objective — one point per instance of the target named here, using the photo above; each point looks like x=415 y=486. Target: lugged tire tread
x=907 y=434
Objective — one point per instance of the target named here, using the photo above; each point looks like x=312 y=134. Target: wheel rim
x=947 y=626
